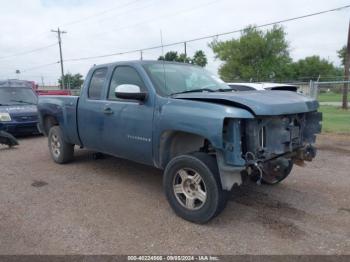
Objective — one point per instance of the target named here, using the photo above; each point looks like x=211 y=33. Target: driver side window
x=124 y=75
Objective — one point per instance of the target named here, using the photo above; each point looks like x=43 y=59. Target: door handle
x=108 y=111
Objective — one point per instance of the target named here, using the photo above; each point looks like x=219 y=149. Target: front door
x=128 y=123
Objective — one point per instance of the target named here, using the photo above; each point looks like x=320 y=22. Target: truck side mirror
x=128 y=91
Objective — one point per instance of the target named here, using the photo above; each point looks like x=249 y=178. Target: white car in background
x=262 y=86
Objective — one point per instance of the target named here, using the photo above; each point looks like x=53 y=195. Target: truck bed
x=64 y=108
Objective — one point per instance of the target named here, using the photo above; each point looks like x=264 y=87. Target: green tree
x=312 y=67
x=169 y=56
x=255 y=55
x=183 y=58
x=72 y=81
x=342 y=55
x=199 y=58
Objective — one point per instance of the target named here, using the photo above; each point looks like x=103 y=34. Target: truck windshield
x=174 y=78
x=17 y=95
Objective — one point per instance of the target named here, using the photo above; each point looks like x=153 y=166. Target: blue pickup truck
x=18 y=110
x=184 y=120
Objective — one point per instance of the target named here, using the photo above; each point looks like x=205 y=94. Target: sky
x=98 y=27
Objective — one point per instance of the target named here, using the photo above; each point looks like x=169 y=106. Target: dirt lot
x=113 y=206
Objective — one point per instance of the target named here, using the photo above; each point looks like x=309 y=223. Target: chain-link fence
x=327 y=92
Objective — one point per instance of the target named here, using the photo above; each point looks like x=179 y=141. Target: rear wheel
x=61 y=151
x=193 y=188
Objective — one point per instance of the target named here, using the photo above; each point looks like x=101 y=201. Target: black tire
x=61 y=151
x=211 y=162
x=206 y=166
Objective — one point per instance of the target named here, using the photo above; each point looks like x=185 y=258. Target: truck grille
x=25 y=118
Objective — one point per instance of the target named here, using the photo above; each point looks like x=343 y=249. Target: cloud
x=131 y=24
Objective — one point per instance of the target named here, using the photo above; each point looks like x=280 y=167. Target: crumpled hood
x=19 y=110
x=262 y=103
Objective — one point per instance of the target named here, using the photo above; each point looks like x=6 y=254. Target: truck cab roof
x=140 y=62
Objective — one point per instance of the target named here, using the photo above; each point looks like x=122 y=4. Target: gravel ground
x=113 y=206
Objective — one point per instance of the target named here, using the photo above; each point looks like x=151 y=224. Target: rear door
x=90 y=110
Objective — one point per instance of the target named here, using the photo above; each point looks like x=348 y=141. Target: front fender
x=194 y=117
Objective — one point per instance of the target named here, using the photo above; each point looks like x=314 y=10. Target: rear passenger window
x=96 y=84
x=124 y=75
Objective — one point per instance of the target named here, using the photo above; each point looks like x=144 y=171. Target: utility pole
x=59 y=32
x=185 y=46
x=141 y=55
x=42 y=82
x=346 y=73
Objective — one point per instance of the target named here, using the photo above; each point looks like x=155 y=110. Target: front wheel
x=61 y=151
x=193 y=188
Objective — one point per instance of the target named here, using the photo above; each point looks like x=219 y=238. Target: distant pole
x=42 y=81
x=185 y=46
x=18 y=73
x=346 y=73
x=59 y=32
x=141 y=55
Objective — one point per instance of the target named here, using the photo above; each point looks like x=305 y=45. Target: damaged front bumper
x=267 y=146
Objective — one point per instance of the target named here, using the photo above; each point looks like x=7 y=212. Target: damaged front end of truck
x=271 y=145
x=282 y=133
x=266 y=148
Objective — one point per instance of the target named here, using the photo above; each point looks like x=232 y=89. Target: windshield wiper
x=23 y=102
x=195 y=90
x=224 y=90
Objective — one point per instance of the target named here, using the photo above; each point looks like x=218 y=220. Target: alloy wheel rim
x=189 y=189
x=55 y=146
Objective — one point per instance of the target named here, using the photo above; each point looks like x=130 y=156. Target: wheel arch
x=48 y=122
x=177 y=142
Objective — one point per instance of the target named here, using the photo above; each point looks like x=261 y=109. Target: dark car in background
x=18 y=107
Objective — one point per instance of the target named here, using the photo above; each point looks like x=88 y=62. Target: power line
x=101 y=21
x=100 y=13
x=40 y=66
x=120 y=14
x=69 y=23
x=28 y=52
x=143 y=22
x=190 y=40
x=208 y=36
